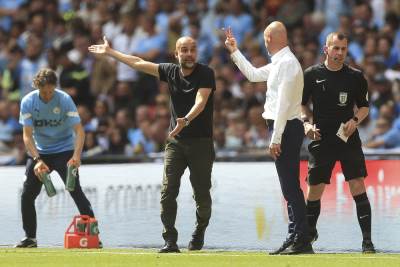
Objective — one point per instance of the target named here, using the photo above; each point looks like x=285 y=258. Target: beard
x=187 y=65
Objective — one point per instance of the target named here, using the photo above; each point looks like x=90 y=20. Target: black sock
x=313 y=211
x=364 y=214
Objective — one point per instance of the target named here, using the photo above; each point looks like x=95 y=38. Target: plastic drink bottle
x=48 y=185
x=72 y=173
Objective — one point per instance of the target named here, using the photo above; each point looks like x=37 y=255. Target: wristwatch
x=36 y=159
x=355 y=118
x=187 y=122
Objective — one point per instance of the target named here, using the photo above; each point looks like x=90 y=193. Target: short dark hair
x=341 y=36
x=43 y=77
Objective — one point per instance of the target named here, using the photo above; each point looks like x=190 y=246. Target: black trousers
x=197 y=154
x=32 y=187
x=288 y=168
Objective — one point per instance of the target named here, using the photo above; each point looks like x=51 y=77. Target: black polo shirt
x=183 y=91
x=333 y=95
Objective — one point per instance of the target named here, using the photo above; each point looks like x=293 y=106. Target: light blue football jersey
x=52 y=122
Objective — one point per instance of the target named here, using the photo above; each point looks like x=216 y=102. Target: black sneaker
x=100 y=244
x=286 y=244
x=27 y=243
x=197 y=242
x=301 y=245
x=169 y=247
x=313 y=236
x=368 y=247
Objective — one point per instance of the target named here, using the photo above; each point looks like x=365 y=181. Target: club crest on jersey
x=56 y=110
x=342 y=98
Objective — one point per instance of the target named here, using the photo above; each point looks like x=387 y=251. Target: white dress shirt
x=284 y=78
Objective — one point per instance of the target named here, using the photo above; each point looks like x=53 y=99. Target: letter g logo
x=83 y=242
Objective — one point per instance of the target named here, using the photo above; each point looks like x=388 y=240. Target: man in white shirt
x=282 y=112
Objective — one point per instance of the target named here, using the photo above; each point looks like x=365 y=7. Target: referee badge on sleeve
x=342 y=99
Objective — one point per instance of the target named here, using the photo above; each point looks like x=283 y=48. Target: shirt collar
x=280 y=54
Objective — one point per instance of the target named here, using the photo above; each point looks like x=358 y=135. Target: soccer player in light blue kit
x=54 y=137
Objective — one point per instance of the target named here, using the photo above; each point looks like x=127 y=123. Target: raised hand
x=230 y=41
x=312 y=132
x=101 y=48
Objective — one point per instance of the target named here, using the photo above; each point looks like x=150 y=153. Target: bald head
x=275 y=36
x=185 y=41
x=186 y=52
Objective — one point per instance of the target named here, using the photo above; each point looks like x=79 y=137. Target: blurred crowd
x=126 y=112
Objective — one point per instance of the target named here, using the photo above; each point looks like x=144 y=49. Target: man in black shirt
x=191 y=86
x=335 y=89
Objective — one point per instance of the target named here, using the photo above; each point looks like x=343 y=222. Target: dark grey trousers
x=288 y=168
x=197 y=154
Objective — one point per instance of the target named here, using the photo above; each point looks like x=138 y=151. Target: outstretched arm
x=136 y=63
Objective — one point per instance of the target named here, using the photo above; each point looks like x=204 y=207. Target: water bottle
x=94 y=228
x=48 y=185
x=81 y=225
x=72 y=173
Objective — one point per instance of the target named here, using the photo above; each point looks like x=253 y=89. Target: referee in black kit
x=334 y=89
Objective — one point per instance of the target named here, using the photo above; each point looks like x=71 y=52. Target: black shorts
x=322 y=159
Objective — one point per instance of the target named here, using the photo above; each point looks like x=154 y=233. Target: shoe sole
x=274 y=253
x=368 y=252
x=195 y=248
x=30 y=246
x=278 y=252
x=169 y=251
x=298 y=253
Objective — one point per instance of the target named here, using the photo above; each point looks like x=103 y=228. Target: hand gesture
x=40 y=168
x=350 y=127
x=230 y=41
x=312 y=132
x=101 y=48
x=180 y=124
x=275 y=150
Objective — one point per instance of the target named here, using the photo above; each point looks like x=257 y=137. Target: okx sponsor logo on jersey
x=47 y=123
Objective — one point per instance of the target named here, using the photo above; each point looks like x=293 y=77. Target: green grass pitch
x=58 y=257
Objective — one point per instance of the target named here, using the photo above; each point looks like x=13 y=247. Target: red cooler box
x=83 y=232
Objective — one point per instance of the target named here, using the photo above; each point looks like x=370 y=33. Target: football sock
x=313 y=211
x=364 y=214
